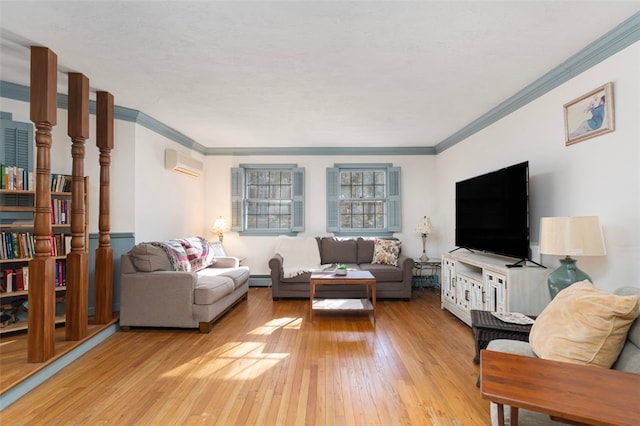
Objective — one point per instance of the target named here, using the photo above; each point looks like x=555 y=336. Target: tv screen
x=492 y=212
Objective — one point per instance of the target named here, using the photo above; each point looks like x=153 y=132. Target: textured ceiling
x=306 y=74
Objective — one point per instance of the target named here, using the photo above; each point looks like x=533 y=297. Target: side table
x=426 y=273
x=486 y=328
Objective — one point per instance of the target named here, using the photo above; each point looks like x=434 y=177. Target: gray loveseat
x=154 y=294
x=628 y=360
x=392 y=282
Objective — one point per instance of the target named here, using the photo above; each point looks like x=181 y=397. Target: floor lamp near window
x=424 y=228
x=570 y=236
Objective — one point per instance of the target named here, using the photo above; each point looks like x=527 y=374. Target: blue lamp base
x=567 y=274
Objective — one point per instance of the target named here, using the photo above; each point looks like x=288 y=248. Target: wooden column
x=77 y=305
x=104 y=252
x=43 y=113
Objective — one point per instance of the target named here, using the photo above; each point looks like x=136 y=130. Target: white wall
x=418 y=177
x=167 y=204
x=599 y=176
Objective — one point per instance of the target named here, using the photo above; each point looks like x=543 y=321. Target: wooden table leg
x=514 y=416
x=500 y=414
x=312 y=290
x=373 y=291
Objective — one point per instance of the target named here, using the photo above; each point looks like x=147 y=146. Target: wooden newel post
x=77 y=260
x=104 y=252
x=42 y=302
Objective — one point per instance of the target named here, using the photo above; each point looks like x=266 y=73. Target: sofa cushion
x=634 y=330
x=629 y=359
x=211 y=288
x=383 y=273
x=148 y=258
x=238 y=275
x=386 y=252
x=334 y=250
x=365 y=249
x=583 y=325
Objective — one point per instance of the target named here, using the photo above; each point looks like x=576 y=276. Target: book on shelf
x=60 y=273
x=16 y=178
x=19 y=279
x=59 y=211
x=25 y=275
x=67 y=244
x=14 y=280
x=7 y=244
x=3 y=248
x=16 y=245
x=8 y=279
x=61 y=183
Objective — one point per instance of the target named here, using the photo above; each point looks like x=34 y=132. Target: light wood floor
x=265 y=364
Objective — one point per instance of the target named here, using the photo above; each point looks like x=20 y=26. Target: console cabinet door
x=463 y=292
x=449 y=280
x=477 y=295
x=496 y=289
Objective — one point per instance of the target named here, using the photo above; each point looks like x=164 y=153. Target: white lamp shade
x=571 y=236
x=424 y=226
x=220 y=225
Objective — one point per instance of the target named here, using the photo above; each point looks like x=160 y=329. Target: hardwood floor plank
x=264 y=363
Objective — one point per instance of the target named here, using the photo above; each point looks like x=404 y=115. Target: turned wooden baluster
x=42 y=302
x=77 y=260
x=104 y=252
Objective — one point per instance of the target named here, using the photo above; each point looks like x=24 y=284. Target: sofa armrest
x=226 y=262
x=275 y=265
x=406 y=264
x=161 y=298
x=516 y=347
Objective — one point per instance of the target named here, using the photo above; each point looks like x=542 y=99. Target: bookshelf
x=17 y=249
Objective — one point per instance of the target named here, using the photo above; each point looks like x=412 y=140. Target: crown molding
x=622 y=36
x=406 y=150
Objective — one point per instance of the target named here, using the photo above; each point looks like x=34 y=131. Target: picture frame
x=218 y=249
x=590 y=115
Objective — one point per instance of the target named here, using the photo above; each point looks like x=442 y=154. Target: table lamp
x=219 y=226
x=424 y=227
x=570 y=236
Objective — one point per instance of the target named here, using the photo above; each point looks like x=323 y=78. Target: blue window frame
x=16 y=149
x=363 y=199
x=267 y=199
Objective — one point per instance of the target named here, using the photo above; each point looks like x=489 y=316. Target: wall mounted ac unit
x=182 y=163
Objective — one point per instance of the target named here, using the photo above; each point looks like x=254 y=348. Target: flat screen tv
x=492 y=212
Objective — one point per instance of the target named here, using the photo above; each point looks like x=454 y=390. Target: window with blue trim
x=363 y=199
x=267 y=199
x=16 y=149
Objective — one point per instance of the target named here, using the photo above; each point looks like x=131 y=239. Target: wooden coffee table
x=352 y=278
x=569 y=393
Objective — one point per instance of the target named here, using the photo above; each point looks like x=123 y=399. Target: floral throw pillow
x=386 y=252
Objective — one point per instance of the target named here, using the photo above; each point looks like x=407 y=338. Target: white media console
x=483 y=281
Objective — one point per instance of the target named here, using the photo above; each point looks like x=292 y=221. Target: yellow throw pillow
x=583 y=325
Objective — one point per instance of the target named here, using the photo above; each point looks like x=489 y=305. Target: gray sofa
x=153 y=294
x=392 y=282
x=628 y=360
